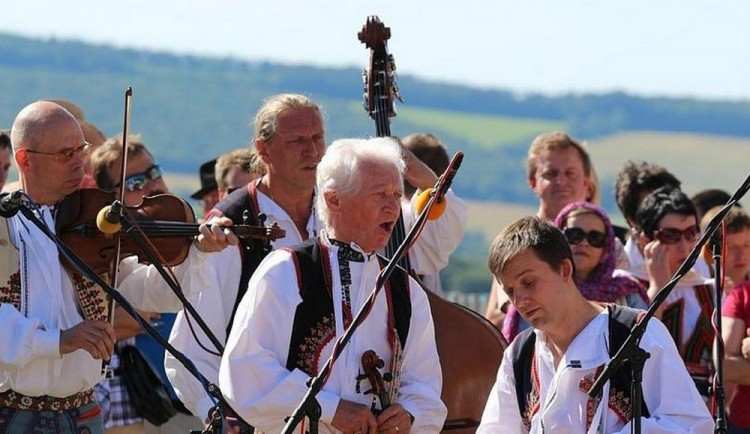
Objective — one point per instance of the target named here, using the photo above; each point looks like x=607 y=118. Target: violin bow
x=123 y=166
x=123 y=175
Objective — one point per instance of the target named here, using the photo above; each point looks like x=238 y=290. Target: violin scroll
x=370 y=365
x=263 y=233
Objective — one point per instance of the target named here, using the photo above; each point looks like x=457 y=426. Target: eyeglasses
x=67 y=154
x=673 y=236
x=576 y=236
x=138 y=181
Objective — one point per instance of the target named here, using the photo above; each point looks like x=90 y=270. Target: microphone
x=10 y=203
x=441 y=188
x=108 y=218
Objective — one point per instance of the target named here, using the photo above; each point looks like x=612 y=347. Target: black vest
x=314 y=317
x=241 y=206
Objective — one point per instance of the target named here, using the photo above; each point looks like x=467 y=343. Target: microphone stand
x=721 y=420
x=630 y=351
x=309 y=405
x=80 y=265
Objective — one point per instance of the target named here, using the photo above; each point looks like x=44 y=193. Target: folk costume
x=40 y=298
x=217 y=302
x=559 y=402
x=231 y=269
x=687 y=316
x=283 y=335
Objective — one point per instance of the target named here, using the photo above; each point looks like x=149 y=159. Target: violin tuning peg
x=387 y=377
x=262 y=218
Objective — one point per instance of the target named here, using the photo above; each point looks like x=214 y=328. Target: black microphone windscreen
x=10 y=203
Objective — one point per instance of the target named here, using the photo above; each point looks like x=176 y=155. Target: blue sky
x=695 y=48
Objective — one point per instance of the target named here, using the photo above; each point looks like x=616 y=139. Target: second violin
x=166 y=217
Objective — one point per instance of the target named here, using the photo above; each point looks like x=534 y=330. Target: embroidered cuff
x=47 y=343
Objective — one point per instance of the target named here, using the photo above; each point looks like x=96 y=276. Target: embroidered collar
x=346 y=251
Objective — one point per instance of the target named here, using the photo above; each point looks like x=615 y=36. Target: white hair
x=339 y=167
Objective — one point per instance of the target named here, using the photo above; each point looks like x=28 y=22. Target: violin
x=165 y=217
x=370 y=365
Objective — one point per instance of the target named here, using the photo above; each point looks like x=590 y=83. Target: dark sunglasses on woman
x=576 y=236
x=673 y=235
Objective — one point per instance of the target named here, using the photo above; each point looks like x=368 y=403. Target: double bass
x=470 y=347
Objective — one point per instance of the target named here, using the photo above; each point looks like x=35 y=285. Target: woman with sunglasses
x=592 y=241
x=591 y=237
x=667 y=230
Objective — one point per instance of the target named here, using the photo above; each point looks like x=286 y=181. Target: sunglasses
x=138 y=181
x=575 y=236
x=65 y=155
x=673 y=236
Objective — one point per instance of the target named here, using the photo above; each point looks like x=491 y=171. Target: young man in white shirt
x=571 y=338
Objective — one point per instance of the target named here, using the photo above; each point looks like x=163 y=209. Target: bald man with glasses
x=54 y=331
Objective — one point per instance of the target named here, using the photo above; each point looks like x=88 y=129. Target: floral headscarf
x=603 y=284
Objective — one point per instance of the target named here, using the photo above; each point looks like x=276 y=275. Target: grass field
x=490 y=217
x=486 y=130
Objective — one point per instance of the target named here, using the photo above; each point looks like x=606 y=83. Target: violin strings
x=156 y=228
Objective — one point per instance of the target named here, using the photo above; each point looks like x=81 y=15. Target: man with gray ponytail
x=301 y=299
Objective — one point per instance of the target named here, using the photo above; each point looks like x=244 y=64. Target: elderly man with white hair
x=301 y=299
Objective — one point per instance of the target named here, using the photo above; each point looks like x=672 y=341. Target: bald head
x=49 y=150
x=36 y=122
